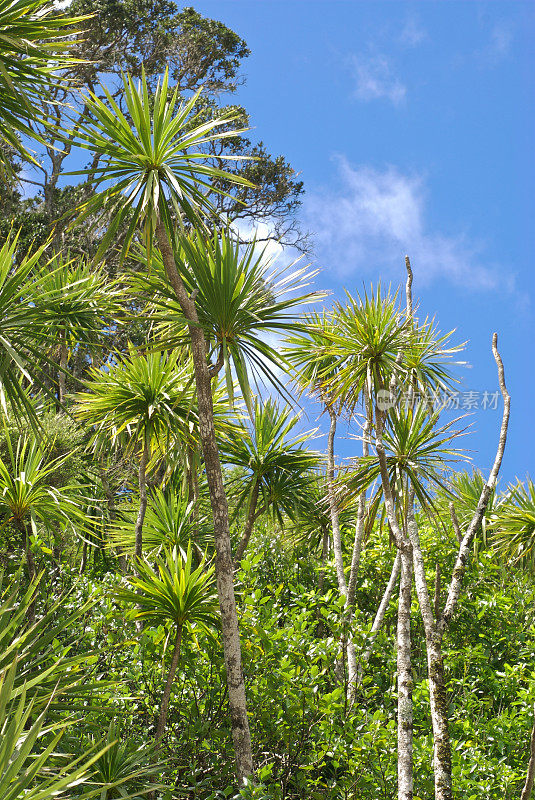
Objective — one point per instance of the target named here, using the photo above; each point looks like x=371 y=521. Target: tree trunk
x=112 y=514
x=380 y=616
x=353 y=665
x=192 y=481
x=30 y=563
x=361 y=513
x=348 y=645
x=355 y=556
x=324 y=554
x=438 y=697
x=162 y=719
x=138 y=530
x=439 y=716
x=83 y=562
x=333 y=506
x=62 y=372
x=528 y=786
x=223 y=563
x=249 y=524
x=405 y=728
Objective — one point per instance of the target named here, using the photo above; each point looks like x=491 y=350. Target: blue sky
x=412 y=126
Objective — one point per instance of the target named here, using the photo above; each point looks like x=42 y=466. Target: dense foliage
x=196 y=600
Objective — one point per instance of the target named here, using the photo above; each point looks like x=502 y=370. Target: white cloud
x=376 y=217
x=412 y=33
x=262 y=231
x=501 y=39
x=375 y=80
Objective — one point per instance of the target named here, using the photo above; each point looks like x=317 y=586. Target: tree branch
x=459 y=569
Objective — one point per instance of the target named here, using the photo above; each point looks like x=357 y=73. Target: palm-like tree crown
x=147 y=166
x=371 y=333
x=143 y=398
x=427 y=358
x=273 y=455
x=73 y=300
x=418 y=451
x=179 y=594
x=310 y=352
x=242 y=300
x=313 y=518
x=513 y=525
x=22 y=338
x=34 y=45
x=169 y=524
x=25 y=492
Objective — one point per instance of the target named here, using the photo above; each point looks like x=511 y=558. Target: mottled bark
x=352 y=665
x=324 y=555
x=62 y=372
x=164 y=707
x=438 y=698
x=361 y=511
x=379 y=617
x=138 y=529
x=223 y=562
x=459 y=569
x=530 y=777
x=354 y=668
x=249 y=524
x=397 y=534
x=436 y=603
x=355 y=555
x=408 y=287
x=333 y=505
x=404 y=660
x=435 y=668
x=404 y=669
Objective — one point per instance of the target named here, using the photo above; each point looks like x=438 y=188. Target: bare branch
x=215 y=368
x=380 y=615
x=399 y=538
x=455 y=523
x=408 y=286
x=459 y=569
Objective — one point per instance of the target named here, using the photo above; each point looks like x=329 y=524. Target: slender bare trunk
x=355 y=555
x=112 y=514
x=223 y=563
x=192 y=480
x=379 y=617
x=324 y=554
x=530 y=777
x=338 y=554
x=62 y=372
x=333 y=505
x=83 y=562
x=354 y=667
x=30 y=563
x=435 y=626
x=438 y=698
x=459 y=570
x=404 y=667
x=164 y=707
x=138 y=530
x=249 y=524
